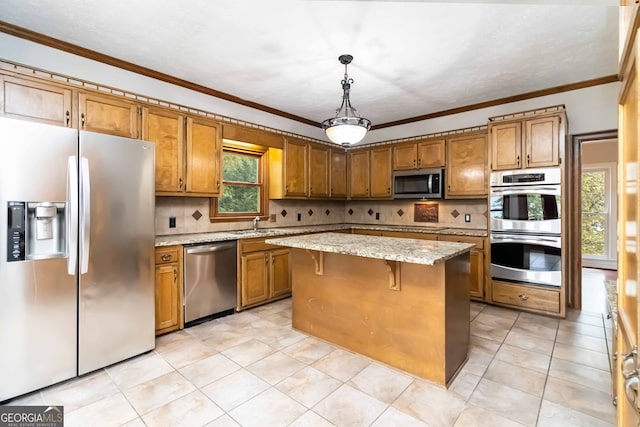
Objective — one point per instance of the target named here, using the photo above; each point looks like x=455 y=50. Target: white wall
x=590 y=109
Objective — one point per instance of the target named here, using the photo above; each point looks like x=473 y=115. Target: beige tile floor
x=252 y=369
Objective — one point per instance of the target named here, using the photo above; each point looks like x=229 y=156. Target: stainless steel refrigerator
x=76 y=253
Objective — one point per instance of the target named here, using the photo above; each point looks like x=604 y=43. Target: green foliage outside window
x=241 y=187
x=594 y=213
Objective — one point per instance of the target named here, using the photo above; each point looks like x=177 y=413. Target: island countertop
x=426 y=252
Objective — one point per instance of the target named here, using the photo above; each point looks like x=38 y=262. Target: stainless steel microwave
x=418 y=184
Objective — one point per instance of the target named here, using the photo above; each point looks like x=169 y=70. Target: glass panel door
x=598 y=216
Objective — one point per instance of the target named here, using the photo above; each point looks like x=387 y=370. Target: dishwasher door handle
x=211 y=248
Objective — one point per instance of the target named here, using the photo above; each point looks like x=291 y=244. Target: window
x=243 y=191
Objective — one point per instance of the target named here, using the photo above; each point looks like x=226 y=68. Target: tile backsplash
x=192 y=214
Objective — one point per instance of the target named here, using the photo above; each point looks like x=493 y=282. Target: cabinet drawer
x=478 y=241
x=526 y=297
x=166 y=255
x=410 y=235
x=255 y=245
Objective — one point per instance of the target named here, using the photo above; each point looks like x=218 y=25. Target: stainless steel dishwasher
x=210 y=280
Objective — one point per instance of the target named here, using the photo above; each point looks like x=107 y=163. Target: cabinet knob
x=175 y=276
x=218 y=185
x=414 y=163
x=528 y=159
x=82 y=119
x=165 y=257
x=518 y=160
x=67 y=116
x=523 y=297
x=266 y=259
x=180 y=183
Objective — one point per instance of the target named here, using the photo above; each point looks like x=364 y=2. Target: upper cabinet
x=532 y=142
x=296 y=167
x=370 y=173
x=428 y=153
x=338 y=173
x=466 y=171
x=109 y=114
x=188 y=153
x=35 y=101
x=318 y=170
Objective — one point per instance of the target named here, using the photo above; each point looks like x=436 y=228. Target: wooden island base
x=410 y=316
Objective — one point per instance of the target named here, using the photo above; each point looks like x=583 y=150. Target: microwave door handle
x=429 y=184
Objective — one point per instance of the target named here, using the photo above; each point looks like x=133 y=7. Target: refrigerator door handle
x=72 y=215
x=85 y=215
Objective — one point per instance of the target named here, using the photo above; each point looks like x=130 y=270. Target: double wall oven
x=525 y=226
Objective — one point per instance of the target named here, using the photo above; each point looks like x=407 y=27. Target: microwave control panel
x=16 y=231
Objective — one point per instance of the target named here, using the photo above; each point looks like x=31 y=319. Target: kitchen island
x=404 y=302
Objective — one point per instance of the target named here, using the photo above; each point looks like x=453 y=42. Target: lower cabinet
x=524 y=297
x=477 y=260
x=265 y=273
x=168 y=289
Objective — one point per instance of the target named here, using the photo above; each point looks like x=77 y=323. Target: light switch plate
x=467 y=217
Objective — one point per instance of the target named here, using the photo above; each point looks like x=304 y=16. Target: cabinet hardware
x=218 y=185
x=67 y=115
x=266 y=259
x=180 y=183
x=414 y=163
x=165 y=257
x=175 y=276
x=523 y=297
x=518 y=160
x=528 y=159
x=388 y=190
x=82 y=118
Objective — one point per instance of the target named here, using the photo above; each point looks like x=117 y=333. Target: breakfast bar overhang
x=403 y=302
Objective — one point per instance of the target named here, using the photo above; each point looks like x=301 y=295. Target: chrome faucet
x=255 y=223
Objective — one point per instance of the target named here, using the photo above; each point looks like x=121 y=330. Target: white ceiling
x=410 y=57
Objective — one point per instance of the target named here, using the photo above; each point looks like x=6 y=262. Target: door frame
x=574 y=252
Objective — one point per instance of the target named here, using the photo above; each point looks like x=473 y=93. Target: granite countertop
x=185 y=239
x=427 y=252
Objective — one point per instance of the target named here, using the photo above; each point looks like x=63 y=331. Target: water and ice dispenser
x=36 y=230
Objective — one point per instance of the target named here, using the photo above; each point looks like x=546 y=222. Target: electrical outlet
x=467 y=217
x=299 y=217
x=272 y=218
x=377 y=215
x=172 y=222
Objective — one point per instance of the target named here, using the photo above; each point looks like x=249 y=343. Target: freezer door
x=116 y=256
x=37 y=297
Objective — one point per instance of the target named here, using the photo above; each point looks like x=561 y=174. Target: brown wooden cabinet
x=296 y=168
x=168 y=289
x=166 y=129
x=265 y=273
x=318 y=170
x=528 y=143
x=370 y=173
x=109 y=114
x=27 y=99
x=428 y=153
x=530 y=298
x=466 y=170
x=188 y=153
x=338 y=173
x=479 y=266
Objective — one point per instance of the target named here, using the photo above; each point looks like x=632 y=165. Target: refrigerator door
x=38 y=296
x=116 y=254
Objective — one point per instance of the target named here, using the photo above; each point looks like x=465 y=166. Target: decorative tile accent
x=310 y=212
x=197 y=215
x=425 y=212
x=283 y=213
x=327 y=212
x=370 y=212
x=350 y=211
x=455 y=213
x=400 y=212
x=485 y=213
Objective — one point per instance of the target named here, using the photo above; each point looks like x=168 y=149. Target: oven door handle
x=525 y=190
x=430 y=184
x=556 y=242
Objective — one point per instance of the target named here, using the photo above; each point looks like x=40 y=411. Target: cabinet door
x=203 y=157
x=404 y=157
x=254 y=278
x=338 y=175
x=166 y=295
x=476 y=275
x=318 y=171
x=166 y=130
x=506 y=143
x=108 y=114
x=466 y=172
x=295 y=168
x=359 y=173
x=431 y=154
x=542 y=142
x=280 y=273
x=39 y=102
x=380 y=172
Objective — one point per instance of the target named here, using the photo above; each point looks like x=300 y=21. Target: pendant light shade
x=346 y=127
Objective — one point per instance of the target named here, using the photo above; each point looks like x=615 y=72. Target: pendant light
x=346 y=127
